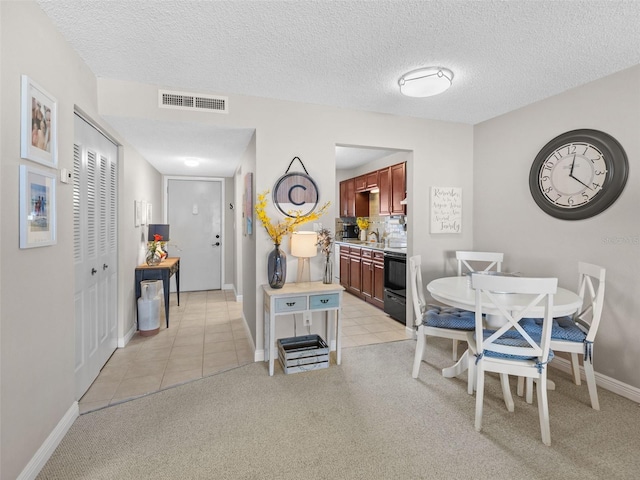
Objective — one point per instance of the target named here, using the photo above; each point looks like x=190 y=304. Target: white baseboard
x=122 y=342
x=602 y=381
x=43 y=454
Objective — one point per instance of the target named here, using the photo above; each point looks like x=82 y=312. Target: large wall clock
x=578 y=174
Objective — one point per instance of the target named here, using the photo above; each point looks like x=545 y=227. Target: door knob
x=93 y=271
x=104 y=266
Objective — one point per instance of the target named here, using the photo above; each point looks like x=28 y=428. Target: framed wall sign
x=38 y=124
x=37 y=208
x=446 y=210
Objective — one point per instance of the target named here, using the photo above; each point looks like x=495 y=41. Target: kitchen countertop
x=372 y=245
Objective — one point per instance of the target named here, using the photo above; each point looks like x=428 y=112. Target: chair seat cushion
x=563 y=328
x=448 y=317
x=512 y=338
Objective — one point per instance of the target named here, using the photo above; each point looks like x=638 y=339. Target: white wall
x=442 y=156
x=507 y=219
x=37 y=325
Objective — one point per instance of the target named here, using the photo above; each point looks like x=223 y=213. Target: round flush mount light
x=425 y=82
x=192 y=162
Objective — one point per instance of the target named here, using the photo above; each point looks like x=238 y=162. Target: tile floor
x=207 y=336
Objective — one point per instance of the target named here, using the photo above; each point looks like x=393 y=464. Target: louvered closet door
x=94 y=251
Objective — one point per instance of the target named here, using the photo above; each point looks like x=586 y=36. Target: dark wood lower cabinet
x=362 y=273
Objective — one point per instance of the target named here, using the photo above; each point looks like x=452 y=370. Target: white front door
x=95 y=241
x=194 y=215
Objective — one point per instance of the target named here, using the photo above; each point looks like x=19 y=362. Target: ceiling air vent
x=192 y=101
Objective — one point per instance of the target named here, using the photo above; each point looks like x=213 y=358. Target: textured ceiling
x=504 y=54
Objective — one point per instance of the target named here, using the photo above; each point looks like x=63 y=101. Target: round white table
x=457 y=292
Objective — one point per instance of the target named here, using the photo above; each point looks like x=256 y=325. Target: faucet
x=377 y=234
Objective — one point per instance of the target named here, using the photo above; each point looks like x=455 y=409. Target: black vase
x=277 y=267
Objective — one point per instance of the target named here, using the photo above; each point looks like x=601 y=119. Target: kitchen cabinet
x=384 y=184
x=392 y=185
x=377 y=291
x=352 y=203
x=355 y=274
x=366 y=275
x=372 y=277
x=362 y=273
x=398 y=188
x=366 y=182
x=344 y=266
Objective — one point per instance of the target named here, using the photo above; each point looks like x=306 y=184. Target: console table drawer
x=291 y=304
x=328 y=300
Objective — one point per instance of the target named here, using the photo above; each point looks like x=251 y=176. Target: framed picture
x=143 y=213
x=248 y=204
x=39 y=124
x=149 y=213
x=137 y=212
x=37 y=208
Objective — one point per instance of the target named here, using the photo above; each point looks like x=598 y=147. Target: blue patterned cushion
x=564 y=328
x=511 y=338
x=448 y=317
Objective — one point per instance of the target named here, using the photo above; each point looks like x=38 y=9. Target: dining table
x=457 y=292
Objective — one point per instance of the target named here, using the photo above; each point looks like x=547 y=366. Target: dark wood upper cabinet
x=398 y=189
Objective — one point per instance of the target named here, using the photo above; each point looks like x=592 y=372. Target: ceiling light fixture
x=425 y=82
x=191 y=162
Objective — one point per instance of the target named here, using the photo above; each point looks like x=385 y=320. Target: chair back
x=497 y=293
x=417 y=289
x=490 y=259
x=591 y=289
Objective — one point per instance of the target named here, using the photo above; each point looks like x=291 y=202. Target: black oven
x=395 y=285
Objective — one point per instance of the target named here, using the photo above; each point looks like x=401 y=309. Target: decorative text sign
x=446 y=210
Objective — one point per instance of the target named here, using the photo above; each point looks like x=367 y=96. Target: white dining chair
x=480 y=262
x=436 y=321
x=510 y=350
x=576 y=334
x=486 y=261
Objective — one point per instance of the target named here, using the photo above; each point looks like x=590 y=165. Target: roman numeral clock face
x=578 y=174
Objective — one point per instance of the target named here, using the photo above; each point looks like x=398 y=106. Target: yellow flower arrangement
x=284 y=227
x=363 y=223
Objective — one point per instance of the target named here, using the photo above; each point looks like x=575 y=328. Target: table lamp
x=161 y=229
x=304 y=246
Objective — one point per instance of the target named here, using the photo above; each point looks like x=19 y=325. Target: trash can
x=149 y=307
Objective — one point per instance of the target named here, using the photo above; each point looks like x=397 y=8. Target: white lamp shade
x=303 y=244
x=425 y=82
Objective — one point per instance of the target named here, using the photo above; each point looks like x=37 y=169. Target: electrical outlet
x=306 y=319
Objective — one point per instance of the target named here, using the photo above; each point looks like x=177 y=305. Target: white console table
x=304 y=298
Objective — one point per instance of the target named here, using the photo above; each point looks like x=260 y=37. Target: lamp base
x=304 y=270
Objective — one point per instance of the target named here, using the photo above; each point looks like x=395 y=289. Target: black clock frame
x=617 y=172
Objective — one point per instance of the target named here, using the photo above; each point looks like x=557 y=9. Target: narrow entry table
x=163 y=271
x=304 y=298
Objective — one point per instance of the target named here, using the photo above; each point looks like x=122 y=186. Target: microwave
x=350 y=231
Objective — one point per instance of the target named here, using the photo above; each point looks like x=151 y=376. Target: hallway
x=206 y=336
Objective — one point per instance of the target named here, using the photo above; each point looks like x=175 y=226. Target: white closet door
x=94 y=251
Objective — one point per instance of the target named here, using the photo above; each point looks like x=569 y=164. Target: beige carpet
x=365 y=419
